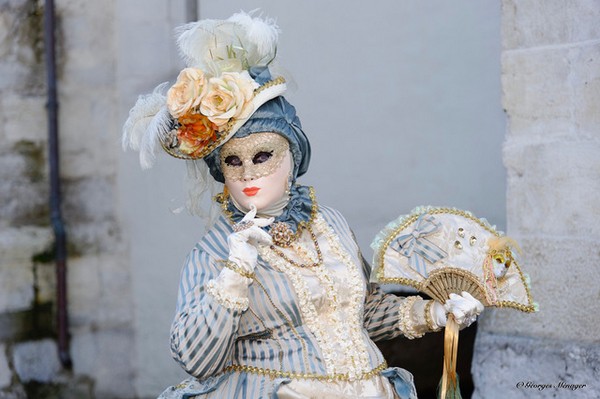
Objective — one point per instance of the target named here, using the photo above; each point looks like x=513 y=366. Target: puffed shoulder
x=214 y=241
x=333 y=216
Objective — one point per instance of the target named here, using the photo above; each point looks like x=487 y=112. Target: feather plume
x=157 y=130
x=503 y=243
x=263 y=34
x=140 y=116
x=238 y=43
x=195 y=41
x=148 y=122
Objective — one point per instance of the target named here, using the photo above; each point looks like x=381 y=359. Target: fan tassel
x=448 y=388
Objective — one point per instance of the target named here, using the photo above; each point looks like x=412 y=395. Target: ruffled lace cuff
x=413 y=323
x=230 y=289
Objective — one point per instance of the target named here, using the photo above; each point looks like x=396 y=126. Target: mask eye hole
x=499 y=259
x=233 y=160
x=262 y=156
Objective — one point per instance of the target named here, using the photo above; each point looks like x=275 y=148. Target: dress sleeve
x=388 y=316
x=208 y=315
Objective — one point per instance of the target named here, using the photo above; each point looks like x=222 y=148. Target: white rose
x=187 y=92
x=228 y=96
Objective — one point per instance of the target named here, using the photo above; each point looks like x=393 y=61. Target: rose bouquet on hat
x=227 y=78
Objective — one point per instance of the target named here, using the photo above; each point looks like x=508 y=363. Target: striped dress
x=299 y=324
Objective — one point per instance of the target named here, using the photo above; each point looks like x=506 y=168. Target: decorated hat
x=226 y=80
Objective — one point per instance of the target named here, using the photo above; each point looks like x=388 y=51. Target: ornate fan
x=440 y=251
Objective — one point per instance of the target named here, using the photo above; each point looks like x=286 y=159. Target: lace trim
x=224 y=298
x=346 y=332
x=406 y=323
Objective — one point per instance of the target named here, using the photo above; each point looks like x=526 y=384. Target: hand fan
x=440 y=251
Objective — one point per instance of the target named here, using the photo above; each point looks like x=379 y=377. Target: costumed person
x=275 y=299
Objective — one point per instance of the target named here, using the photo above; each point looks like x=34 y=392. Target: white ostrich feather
x=158 y=128
x=238 y=43
x=194 y=41
x=148 y=120
x=140 y=116
x=263 y=33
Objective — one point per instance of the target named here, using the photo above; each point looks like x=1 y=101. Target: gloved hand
x=464 y=307
x=230 y=287
x=242 y=243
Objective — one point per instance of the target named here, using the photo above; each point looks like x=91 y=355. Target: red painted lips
x=250 y=191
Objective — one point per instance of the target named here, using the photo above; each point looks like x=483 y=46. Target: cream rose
x=228 y=96
x=187 y=92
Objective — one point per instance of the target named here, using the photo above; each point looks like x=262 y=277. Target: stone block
x=565 y=281
x=553 y=188
x=528 y=24
x=23 y=187
x=17 y=248
x=89 y=207
x=523 y=368
x=84 y=350
x=89 y=142
x=84 y=290
x=99 y=290
x=90 y=43
x=586 y=88
x=36 y=361
x=16 y=286
x=20 y=243
x=5 y=372
x=537 y=93
x=105 y=355
x=21 y=51
x=23 y=118
x=45 y=281
x=90 y=199
x=116 y=303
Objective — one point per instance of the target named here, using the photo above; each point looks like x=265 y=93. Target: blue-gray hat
x=277 y=116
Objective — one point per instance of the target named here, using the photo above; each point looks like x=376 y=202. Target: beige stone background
x=490 y=106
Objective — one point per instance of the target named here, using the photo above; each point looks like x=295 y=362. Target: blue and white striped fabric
x=206 y=337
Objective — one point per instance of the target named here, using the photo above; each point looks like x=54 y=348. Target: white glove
x=242 y=244
x=230 y=287
x=464 y=307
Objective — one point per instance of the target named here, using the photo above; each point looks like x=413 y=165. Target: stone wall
x=551 y=84
x=99 y=293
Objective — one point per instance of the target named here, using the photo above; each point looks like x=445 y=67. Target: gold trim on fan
x=442 y=282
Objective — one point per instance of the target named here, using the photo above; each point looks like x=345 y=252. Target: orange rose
x=195 y=133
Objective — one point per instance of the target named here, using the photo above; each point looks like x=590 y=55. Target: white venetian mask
x=257 y=169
